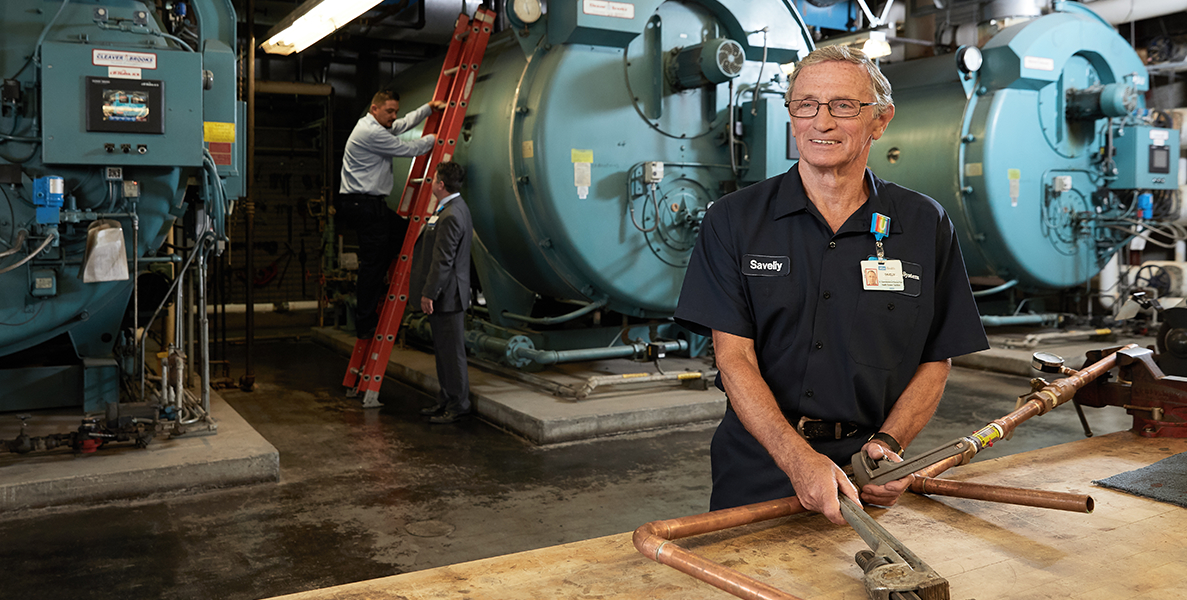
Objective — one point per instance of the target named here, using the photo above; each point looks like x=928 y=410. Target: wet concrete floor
x=366 y=494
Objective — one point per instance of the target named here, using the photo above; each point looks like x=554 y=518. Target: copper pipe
x=653 y=540
x=1081 y=503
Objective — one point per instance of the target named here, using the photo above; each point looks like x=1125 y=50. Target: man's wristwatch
x=889 y=441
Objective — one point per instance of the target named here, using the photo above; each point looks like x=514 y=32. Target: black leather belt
x=815 y=429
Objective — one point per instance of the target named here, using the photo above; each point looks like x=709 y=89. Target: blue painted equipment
x=112 y=113
x=597 y=136
x=1040 y=154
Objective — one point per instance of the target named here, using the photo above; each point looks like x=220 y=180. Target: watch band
x=889 y=441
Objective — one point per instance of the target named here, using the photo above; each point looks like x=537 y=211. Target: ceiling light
x=312 y=21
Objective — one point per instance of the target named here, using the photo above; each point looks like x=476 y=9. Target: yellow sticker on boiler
x=582 y=156
x=213 y=131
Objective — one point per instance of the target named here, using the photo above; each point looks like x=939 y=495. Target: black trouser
x=745 y=473
x=380 y=234
x=449 y=346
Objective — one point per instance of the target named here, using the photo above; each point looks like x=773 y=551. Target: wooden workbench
x=1130 y=547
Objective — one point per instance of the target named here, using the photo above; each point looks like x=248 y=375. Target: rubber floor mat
x=1165 y=480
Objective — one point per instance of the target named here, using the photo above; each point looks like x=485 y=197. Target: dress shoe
x=449 y=417
x=433 y=411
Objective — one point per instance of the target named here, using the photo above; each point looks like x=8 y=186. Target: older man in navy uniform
x=817 y=360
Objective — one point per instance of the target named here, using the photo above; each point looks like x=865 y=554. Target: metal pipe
x=204 y=323
x=295 y=88
x=247 y=382
x=1081 y=503
x=654 y=540
x=584 y=310
x=1117 y=12
x=270 y=307
x=518 y=349
x=1040 y=402
x=1044 y=319
x=993 y=290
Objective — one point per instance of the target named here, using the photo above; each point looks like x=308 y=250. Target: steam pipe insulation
x=1044 y=319
x=1081 y=503
x=519 y=349
x=1117 y=12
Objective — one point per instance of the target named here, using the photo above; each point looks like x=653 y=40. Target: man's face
x=825 y=141
x=386 y=113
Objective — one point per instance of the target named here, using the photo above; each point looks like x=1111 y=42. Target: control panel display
x=125 y=106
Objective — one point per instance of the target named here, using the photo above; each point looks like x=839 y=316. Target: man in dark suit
x=441 y=277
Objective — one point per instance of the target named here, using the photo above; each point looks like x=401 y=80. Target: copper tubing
x=1081 y=503
x=653 y=540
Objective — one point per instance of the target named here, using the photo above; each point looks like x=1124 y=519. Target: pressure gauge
x=527 y=11
x=969 y=59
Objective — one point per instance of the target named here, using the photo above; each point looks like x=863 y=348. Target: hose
x=48 y=240
x=20 y=239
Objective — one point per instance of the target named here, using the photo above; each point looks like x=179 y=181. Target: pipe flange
x=512 y=354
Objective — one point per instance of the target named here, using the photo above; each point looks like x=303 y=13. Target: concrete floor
x=366 y=494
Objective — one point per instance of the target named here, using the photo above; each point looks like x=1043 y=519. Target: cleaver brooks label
x=761 y=265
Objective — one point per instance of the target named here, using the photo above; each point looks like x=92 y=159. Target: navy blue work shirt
x=766 y=266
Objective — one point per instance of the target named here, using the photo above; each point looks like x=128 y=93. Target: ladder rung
x=451 y=72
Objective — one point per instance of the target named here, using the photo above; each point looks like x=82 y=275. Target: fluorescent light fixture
x=312 y=21
x=872 y=43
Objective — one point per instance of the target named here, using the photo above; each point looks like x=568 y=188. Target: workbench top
x=1130 y=547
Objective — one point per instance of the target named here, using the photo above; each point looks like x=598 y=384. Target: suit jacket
x=441 y=259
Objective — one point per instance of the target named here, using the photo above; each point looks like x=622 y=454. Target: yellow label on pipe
x=987 y=435
x=689 y=376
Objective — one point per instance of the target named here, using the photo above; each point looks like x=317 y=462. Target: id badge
x=882 y=275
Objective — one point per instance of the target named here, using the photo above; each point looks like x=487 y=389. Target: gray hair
x=879 y=85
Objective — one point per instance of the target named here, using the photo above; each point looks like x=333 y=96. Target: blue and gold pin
x=880 y=227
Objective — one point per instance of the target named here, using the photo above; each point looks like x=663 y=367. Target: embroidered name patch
x=761 y=265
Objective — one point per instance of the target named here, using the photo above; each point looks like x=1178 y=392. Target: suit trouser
x=449 y=344
x=380 y=234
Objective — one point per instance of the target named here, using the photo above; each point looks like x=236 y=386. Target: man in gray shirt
x=362 y=196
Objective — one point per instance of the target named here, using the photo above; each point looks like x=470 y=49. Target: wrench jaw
x=892 y=571
x=886 y=576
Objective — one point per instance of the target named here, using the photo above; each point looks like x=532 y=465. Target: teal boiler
x=598 y=135
x=106 y=117
x=1038 y=153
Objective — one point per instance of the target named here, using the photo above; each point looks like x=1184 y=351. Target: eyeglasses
x=841 y=109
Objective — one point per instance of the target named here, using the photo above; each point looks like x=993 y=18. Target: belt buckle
x=838 y=432
x=799 y=426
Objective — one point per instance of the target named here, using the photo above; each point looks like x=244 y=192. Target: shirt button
x=808 y=393
x=819 y=345
x=827 y=295
x=832 y=245
x=890 y=306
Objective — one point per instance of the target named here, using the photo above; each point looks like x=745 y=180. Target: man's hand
x=437 y=105
x=426 y=305
x=886 y=494
x=817 y=480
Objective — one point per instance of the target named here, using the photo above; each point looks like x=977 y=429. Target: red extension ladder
x=368 y=362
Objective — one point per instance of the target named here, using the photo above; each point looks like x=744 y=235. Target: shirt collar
x=446 y=200
x=791 y=198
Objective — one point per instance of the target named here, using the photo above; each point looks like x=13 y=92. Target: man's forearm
x=918 y=402
x=753 y=401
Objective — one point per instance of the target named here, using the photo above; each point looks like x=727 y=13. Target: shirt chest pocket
x=883 y=328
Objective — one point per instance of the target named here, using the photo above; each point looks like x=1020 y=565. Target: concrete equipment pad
x=237 y=455
x=537 y=414
x=545 y=418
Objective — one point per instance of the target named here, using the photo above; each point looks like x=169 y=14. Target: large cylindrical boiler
x=598 y=135
x=1037 y=146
